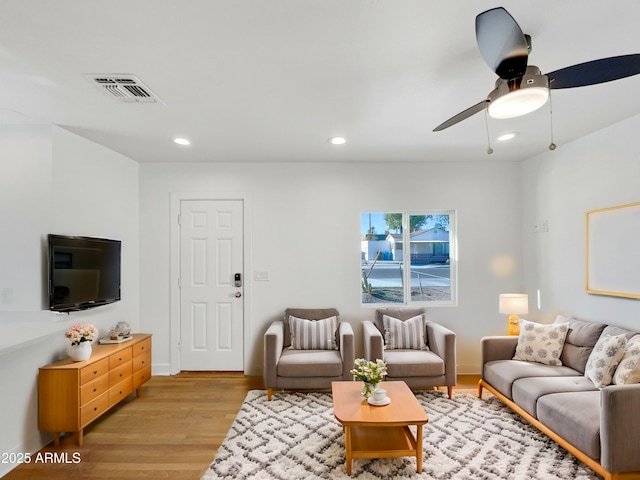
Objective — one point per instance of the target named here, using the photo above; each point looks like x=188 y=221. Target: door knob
x=238 y=295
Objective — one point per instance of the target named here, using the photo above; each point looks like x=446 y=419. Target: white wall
x=306 y=235
x=601 y=170
x=53 y=181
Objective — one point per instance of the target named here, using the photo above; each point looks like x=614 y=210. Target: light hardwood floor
x=173 y=431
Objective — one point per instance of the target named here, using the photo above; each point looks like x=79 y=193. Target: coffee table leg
x=419 y=449
x=347 y=447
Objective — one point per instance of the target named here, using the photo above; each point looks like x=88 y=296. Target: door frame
x=174 y=271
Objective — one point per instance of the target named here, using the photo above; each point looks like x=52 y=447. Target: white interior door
x=211 y=301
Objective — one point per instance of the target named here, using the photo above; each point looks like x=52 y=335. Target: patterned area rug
x=296 y=436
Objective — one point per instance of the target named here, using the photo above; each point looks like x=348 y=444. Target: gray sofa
x=600 y=426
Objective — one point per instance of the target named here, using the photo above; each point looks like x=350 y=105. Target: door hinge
x=179 y=282
x=179 y=219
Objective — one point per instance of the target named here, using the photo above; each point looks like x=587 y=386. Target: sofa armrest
x=345 y=332
x=373 y=344
x=442 y=342
x=273 y=345
x=620 y=428
x=497 y=348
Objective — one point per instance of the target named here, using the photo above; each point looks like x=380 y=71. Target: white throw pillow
x=408 y=334
x=604 y=359
x=540 y=342
x=313 y=334
x=628 y=370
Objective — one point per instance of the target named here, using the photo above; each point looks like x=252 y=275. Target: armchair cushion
x=407 y=334
x=413 y=363
x=310 y=363
x=313 y=334
x=309 y=314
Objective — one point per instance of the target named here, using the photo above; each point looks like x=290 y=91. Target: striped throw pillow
x=313 y=334
x=408 y=334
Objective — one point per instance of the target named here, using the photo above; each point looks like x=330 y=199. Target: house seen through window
x=408 y=258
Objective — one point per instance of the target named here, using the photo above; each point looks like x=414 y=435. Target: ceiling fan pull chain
x=486 y=123
x=552 y=146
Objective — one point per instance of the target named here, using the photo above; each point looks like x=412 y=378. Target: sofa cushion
x=501 y=374
x=541 y=343
x=628 y=370
x=310 y=363
x=401 y=313
x=407 y=334
x=527 y=391
x=313 y=334
x=413 y=363
x=604 y=359
x=310 y=314
x=579 y=342
x=575 y=416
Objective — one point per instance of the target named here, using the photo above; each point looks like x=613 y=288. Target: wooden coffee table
x=379 y=432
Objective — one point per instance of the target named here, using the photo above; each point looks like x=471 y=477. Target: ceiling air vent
x=124 y=88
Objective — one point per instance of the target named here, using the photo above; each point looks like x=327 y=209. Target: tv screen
x=84 y=272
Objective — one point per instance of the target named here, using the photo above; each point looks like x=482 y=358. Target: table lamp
x=513 y=304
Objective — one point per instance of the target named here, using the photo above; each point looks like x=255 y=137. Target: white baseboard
x=161 y=369
x=467 y=369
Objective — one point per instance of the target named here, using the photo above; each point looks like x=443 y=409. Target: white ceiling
x=271 y=80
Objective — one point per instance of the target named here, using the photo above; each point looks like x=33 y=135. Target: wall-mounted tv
x=84 y=272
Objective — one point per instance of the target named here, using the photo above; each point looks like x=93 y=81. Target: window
x=408 y=258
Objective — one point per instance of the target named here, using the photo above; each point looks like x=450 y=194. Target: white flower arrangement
x=81 y=332
x=369 y=372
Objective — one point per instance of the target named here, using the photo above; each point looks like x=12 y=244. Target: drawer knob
x=95 y=389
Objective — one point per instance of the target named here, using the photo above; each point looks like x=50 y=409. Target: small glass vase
x=80 y=352
x=367 y=389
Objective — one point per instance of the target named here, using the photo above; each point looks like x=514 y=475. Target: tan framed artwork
x=613 y=251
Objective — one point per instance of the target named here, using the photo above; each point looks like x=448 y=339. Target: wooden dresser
x=73 y=394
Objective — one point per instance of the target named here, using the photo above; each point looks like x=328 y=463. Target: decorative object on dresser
x=81 y=336
x=73 y=394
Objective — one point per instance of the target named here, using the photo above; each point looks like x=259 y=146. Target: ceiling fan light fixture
x=518 y=102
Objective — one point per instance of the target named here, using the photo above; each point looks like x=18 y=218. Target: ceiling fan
x=522 y=88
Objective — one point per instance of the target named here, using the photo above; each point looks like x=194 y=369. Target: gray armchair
x=303 y=368
x=418 y=368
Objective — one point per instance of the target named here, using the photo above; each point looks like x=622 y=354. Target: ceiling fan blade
x=478 y=107
x=596 y=71
x=502 y=43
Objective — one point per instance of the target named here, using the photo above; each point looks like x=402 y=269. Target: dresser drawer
x=94 y=389
x=141 y=376
x=142 y=347
x=141 y=361
x=120 y=391
x=118 y=374
x=93 y=371
x=93 y=409
x=119 y=358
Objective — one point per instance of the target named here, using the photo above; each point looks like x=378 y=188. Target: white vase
x=80 y=352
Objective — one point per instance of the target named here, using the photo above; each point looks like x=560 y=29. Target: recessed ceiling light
x=181 y=141
x=337 y=140
x=508 y=136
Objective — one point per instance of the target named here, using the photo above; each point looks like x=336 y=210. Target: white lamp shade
x=518 y=102
x=513 y=303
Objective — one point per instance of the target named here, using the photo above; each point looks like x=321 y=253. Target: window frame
x=406 y=260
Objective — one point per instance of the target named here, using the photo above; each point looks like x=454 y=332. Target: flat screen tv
x=84 y=272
